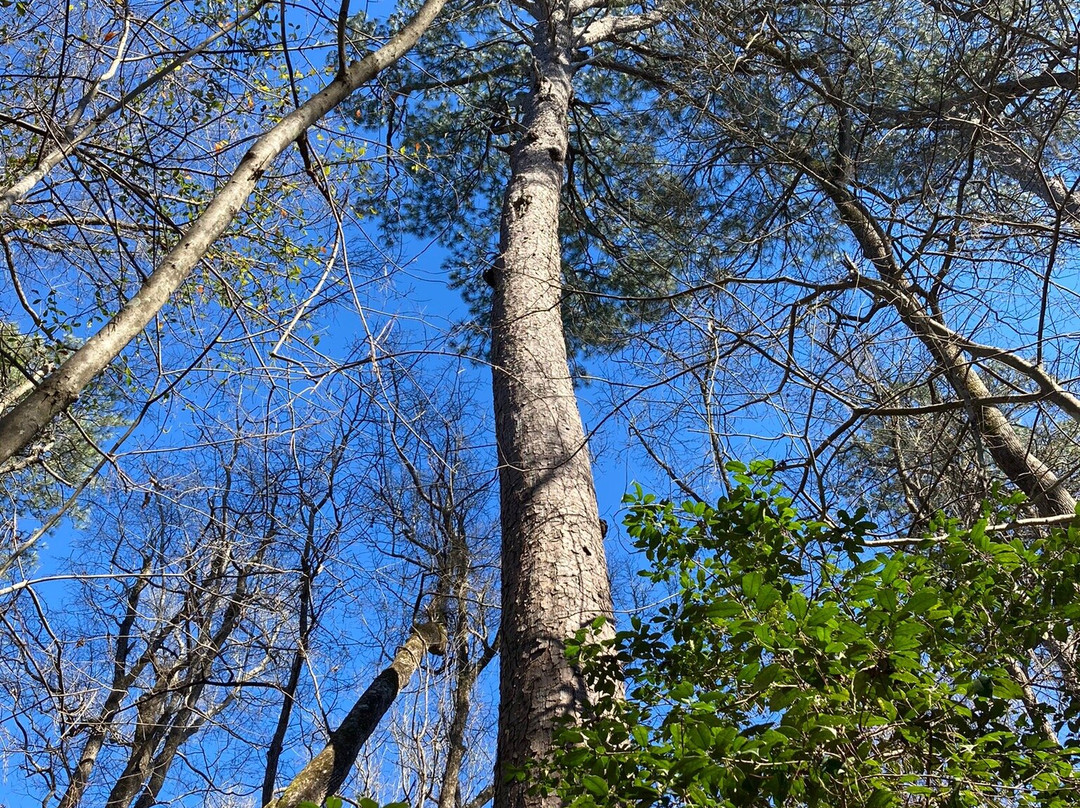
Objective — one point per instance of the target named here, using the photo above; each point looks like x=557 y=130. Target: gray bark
x=67 y=146
x=61 y=388
x=324 y=775
x=554 y=576
x=121 y=681
x=1030 y=474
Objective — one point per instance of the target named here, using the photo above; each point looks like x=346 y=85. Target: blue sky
x=394 y=300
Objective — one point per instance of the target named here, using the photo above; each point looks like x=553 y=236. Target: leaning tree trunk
x=1016 y=461
x=323 y=776
x=554 y=576
x=1012 y=455
x=62 y=387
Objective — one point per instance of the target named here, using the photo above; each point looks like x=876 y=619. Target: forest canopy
x=332 y=335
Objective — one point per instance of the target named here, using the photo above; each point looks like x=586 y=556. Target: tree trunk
x=324 y=775
x=66 y=146
x=1023 y=468
x=554 y=576
x=122 y=679
x=277 y=742
x=62 y=387
x=468 y=671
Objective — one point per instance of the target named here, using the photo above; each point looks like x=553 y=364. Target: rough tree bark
x=554 y=576
x=326 y=772
x=62 y=387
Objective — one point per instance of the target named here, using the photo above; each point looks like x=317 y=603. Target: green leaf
x=595 y=784
x=881 y=798
x=798 y=605
x=737 y=702
x=766 y=597
x=751 y=584
x=699 y=736
x=922 y=601
x=766 y=676
x=682 y=691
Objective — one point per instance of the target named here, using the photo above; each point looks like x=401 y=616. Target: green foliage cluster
x=631 y=224
x=40 y=478
x=794 y=666
x=329 y=802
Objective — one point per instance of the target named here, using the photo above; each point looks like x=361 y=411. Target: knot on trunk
x=434 y=636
